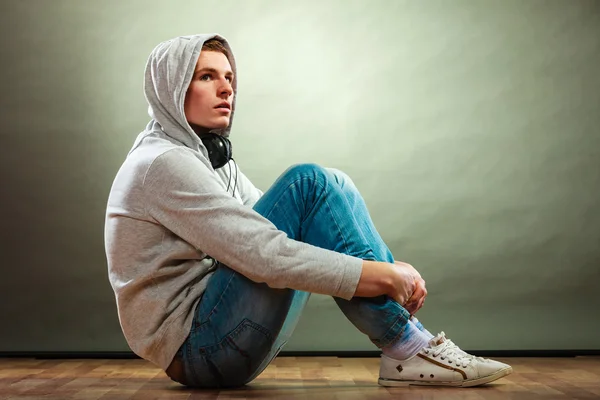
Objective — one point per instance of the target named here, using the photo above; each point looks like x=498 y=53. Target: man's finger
x=416 y=298
x=412 y=308
x=418 y=293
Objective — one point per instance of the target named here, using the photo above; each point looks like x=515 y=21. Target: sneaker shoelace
x=459 y=350
x=447 y=349
x=464 y=353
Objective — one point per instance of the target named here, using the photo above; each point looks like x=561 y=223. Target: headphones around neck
x=219 y=152
x=219 y=149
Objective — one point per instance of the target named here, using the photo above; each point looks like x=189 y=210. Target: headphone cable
x=236 y=176
x=230 y=174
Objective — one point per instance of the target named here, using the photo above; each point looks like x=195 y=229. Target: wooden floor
x=288 y=378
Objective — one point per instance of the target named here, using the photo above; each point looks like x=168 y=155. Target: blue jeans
x=240 y=326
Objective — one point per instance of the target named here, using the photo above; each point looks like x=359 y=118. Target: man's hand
x=400 y=281
x=383 y=278
x=417 y=299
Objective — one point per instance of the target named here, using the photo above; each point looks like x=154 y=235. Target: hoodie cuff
x=351 y=276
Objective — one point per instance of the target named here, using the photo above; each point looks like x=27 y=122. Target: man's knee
x=316 y=171
x=305 y=169
x=310 y=169
x=342 y=178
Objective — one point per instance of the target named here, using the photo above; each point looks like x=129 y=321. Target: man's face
x=210 y=86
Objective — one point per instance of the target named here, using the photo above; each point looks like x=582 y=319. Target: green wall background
x=470 y=127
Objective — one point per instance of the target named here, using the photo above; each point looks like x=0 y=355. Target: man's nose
x=226 y=88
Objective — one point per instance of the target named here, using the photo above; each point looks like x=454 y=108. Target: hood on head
x=169 y=71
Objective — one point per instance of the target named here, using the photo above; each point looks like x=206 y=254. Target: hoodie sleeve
x=182 y=194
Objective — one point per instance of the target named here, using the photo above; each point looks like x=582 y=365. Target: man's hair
x=215 y=45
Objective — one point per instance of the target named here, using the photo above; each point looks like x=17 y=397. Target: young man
x=211 y=274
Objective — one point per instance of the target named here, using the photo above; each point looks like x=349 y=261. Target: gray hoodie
x=169 y=216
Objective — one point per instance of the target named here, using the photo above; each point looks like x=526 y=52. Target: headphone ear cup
x=219 y=149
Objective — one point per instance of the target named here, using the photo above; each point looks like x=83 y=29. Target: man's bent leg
x=233 y=339
x=312 y=205
x=380 y=250
x=415 y=369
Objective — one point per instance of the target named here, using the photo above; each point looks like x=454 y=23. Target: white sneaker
x=442 y=363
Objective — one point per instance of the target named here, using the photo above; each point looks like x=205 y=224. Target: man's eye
x=230 y=79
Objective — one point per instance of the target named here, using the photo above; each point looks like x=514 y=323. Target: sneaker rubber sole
x=465 y=383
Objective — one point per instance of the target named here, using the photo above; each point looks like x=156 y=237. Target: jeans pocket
x=241 y=353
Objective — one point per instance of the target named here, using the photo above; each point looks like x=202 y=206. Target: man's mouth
x=224 y=105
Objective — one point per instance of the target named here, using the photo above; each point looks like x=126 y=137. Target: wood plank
x=287 y=378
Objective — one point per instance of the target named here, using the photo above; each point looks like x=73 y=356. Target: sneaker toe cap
x=491 y=367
